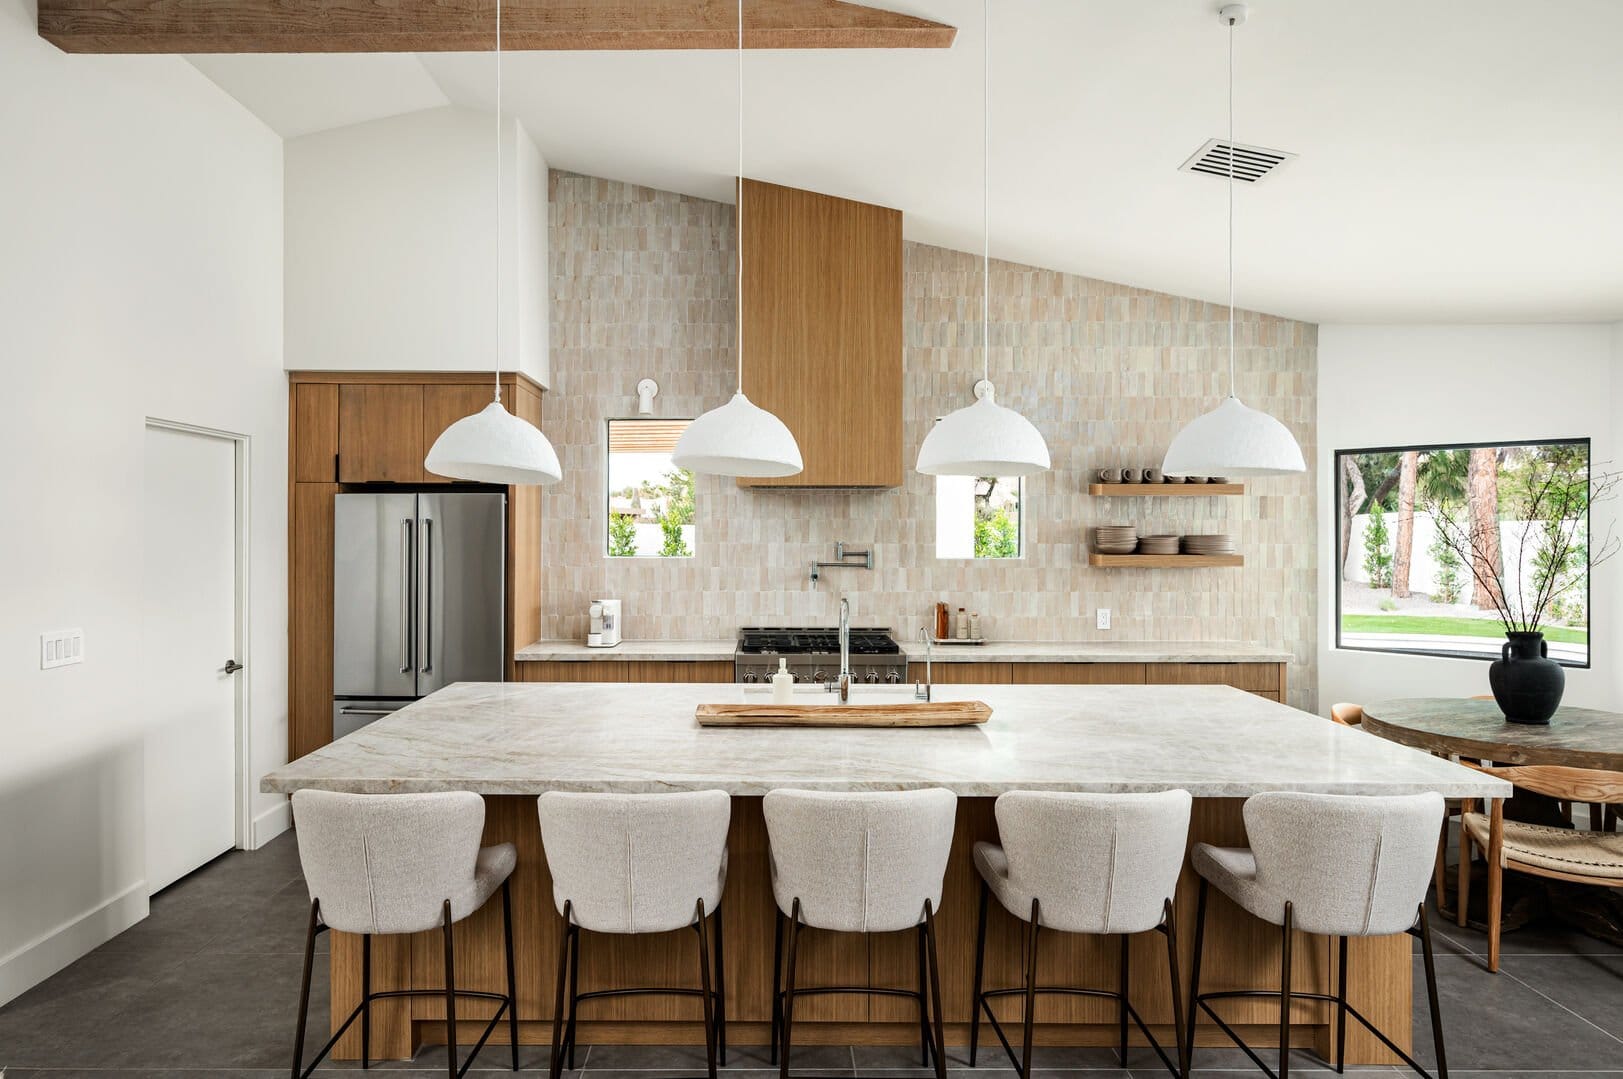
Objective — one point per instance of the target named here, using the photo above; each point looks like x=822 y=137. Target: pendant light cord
x=739 y=212
x=986 y=187
x=1231 y=205
x=498 y=397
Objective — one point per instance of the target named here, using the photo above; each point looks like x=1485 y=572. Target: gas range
x=813 y=654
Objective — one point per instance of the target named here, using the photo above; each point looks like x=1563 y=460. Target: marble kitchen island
x=510 y=742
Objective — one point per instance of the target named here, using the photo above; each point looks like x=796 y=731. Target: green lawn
x=1448 y=627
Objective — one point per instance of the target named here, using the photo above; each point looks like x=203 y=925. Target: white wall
x=140 y=275
x=390 y=257
x=1422 y=385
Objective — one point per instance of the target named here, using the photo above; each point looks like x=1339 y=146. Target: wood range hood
x=325 y=26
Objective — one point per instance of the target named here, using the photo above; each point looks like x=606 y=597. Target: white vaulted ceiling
x=1457 y=161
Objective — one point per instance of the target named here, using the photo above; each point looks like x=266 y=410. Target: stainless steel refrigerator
x=417 y=598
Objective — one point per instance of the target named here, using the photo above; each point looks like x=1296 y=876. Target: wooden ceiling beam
x=336 y=26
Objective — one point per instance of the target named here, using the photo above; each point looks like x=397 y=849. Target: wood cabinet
x=1263 y=679
x=620 y=670
x=822 y=330
x=346 y=429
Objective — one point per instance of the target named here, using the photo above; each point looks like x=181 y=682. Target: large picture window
x=650 y=500
x=1438 y=544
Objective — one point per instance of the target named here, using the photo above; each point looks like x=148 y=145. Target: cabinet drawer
x=1077 y=674
x=586 y=670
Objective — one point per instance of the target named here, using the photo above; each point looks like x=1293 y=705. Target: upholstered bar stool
x=400 y=863
x=1337 y=865
x=637 y=863
x=858 y=863
x=1104 y=864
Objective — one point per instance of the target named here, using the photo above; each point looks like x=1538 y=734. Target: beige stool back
x=859 y=863
x=635 y=863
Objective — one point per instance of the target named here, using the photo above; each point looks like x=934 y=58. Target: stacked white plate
x=1208 y=545
x=1158 y=545
x=1115 y=539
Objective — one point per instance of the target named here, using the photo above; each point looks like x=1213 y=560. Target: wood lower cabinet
x=1263 y=679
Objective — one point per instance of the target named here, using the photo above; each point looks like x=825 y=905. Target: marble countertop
x=525 y=738
x=992 y=652
x=628 y=651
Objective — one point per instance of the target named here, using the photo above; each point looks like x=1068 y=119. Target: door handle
x=232 y=666
x=406 y=581
x=428 y=596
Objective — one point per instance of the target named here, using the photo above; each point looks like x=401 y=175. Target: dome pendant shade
x=1233 y=440
x=983 y=439
x=494 y=446
x=738 y=439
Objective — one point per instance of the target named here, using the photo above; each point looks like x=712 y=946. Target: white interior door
x=189 y=634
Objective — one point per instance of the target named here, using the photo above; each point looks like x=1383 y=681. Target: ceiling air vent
x=1251 y=163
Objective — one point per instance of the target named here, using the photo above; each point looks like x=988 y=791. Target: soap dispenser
x=783 y=683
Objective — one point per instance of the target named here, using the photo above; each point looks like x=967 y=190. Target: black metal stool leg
x=1031 y=993
x=450 y=994
x=1285 y=996
x=556 y=1067
x=366 y=1000
x=1169 y=927
x=939 y=1048
x=980 y=966
x=512 y=978
x=721 y=992
x=1431 y=994
x=789 y=991
x=924 y=998
x=304 y=987
x=1121 y=1002
x=1341 y=1005
x=704 y=992
x=777 y=984
x=570 y=1028
x=1194 y=976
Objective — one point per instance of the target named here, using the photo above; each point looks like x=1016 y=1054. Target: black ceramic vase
x=1526 y=682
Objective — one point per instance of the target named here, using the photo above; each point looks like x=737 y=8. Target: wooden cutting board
x=901 y=714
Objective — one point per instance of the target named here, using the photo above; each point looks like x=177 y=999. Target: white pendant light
x=739 y=438
x=1231 y=439
x=493 y=445
x=984 y=439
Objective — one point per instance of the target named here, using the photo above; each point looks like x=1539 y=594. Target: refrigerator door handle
x=427 y=599
x=405 y=595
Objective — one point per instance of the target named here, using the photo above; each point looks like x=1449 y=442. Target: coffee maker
x=604 y=628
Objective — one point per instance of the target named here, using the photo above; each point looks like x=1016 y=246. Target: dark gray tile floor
x=208 y=985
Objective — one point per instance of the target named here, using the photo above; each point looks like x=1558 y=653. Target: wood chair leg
x=1462 y=882
x=1440 y=874
x=1496 y=880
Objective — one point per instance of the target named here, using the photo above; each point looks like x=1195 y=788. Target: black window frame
x=1335 y=490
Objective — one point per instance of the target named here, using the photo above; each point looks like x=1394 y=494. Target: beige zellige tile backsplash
x=642 y=286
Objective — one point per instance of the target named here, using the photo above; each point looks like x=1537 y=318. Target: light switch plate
x=60 y=647
x=1102 y=618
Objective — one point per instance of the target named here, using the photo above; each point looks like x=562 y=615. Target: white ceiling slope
x=1458 y=162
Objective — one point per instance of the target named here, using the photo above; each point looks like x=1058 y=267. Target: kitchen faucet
x=921 y=690
x=845 y=650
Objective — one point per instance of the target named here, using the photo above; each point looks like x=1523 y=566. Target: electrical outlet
x=1102 y=617
x=60 y=647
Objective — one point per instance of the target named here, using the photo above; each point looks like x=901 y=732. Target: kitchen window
x=1437 y=544
x=650 y=500
x=979 y=517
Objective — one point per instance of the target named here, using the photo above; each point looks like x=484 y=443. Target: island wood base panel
x=1241 y=952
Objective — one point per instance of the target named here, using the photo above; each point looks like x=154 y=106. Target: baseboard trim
x=48 y=953
x=271 y=823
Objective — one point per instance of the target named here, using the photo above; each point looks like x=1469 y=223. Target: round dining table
x=1476 y=730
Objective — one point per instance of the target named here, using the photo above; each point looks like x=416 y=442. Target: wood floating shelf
x=1150 y=490
x=1164 y=561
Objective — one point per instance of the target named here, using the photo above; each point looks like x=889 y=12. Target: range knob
x=894 y=676
x=819 y=676
x=751 y=677
x=873 y=678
